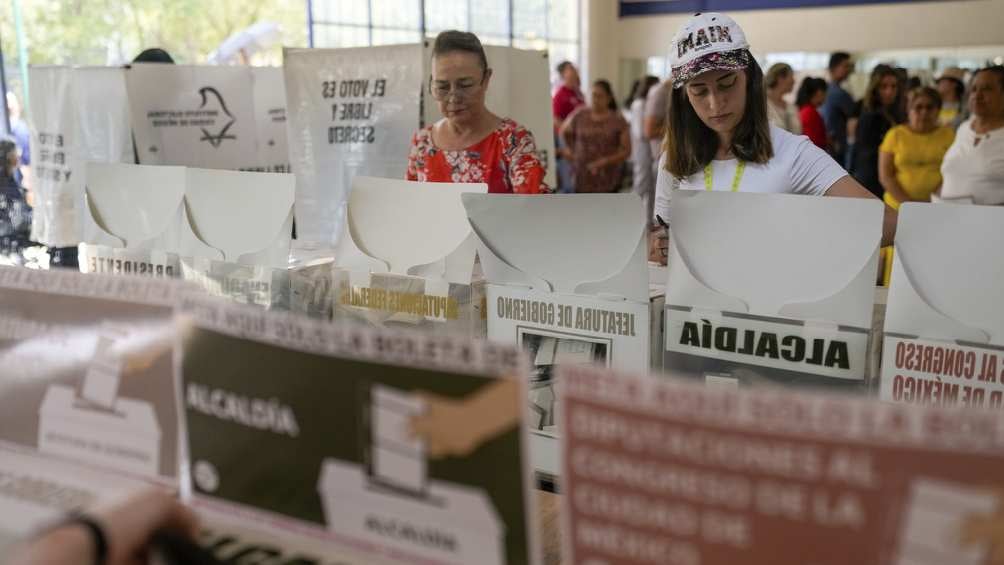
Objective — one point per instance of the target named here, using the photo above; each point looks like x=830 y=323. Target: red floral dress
x=506 y=160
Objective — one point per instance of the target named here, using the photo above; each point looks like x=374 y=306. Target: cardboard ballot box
x=407 y=257
x=450 y=523
x=944 y=326
x=125 y=437
x=771 y=288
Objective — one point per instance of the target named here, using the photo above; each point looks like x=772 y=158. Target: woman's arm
x=568 y=133
x=847 y=187
x=887 y=176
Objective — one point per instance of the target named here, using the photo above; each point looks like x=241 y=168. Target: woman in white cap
x=719 y=136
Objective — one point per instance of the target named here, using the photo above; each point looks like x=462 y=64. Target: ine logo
x=216 y=140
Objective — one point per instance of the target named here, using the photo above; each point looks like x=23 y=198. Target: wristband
x=96 y=532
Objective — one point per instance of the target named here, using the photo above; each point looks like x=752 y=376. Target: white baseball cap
x=707 y=42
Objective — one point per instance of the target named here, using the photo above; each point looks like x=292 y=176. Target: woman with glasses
x=471 y=144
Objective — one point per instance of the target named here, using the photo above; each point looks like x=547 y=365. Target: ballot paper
x=574 y=352
x=398 y=459
x=937 y=511
x=545 y=351
x=101 y=383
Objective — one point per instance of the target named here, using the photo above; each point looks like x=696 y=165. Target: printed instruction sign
x=940 y=373
x=86 y=369
x=351 y=112
x=755 y=345
x=405 y=443
x=673 y=473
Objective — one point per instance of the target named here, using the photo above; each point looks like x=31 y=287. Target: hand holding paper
x=986 y=530
x=658 y=245
x=457 y=427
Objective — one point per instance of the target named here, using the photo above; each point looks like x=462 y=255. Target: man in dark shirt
x=839 y=105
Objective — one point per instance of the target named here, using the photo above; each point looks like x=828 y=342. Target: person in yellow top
x=910 y=155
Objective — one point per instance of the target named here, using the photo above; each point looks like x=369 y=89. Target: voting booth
x=407 y=257
x=562 y=293
x=944 y=328
x=227 y=232
x=752 y=298
x=133 y=220
x=353 y=112
x=77 y=115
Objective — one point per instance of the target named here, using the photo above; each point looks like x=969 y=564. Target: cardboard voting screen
x=771 y=287
x=351 y=112
x=54 y=160
x=86 y=371
x=549 y=277
x=663 y=471
x=567 y=282
x=103 y=120
x=195 y=116
x=270 y=116
x=520 y=89
x=944 y=326
x=333 y=435
x=240 y=217
x=133 y=219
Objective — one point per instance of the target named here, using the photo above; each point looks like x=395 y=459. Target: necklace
x=736 y=180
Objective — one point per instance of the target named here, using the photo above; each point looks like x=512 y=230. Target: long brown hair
x=690 y=144
x=873 y=100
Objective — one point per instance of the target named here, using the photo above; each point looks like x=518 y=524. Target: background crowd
x=899 y=140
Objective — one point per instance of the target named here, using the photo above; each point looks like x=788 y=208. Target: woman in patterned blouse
x=471 y=144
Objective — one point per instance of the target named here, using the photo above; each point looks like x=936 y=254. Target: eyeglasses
x=462 y=89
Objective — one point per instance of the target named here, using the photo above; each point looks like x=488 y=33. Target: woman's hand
x=127 y=527
x=596 y=166
x=658 y=245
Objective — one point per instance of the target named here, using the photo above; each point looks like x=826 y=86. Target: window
x=551 y=25
x=441 y=15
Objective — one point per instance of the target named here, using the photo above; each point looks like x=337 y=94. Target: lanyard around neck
x=736 y=180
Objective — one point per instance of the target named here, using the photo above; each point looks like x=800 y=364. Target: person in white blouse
x=973 y=168
x=719 y=138
x=780 y=82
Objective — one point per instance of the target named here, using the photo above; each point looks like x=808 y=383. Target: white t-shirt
x=637 y=120
x=798 y=167
x=974 y=171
